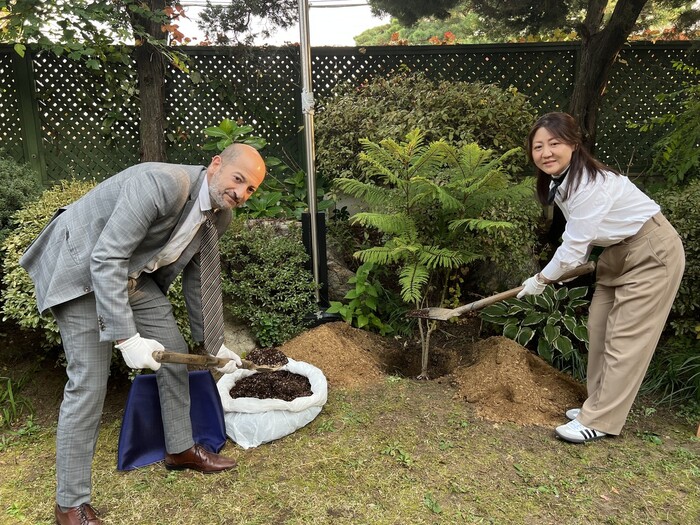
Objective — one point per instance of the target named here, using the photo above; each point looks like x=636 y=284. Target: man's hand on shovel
x=234 y=361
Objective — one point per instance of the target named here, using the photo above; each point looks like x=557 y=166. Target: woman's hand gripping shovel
x=443 y=314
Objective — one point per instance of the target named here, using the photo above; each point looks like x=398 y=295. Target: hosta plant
x=553 y=324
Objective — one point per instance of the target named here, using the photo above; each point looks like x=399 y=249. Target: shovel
x=443 y=314
x=207 y=360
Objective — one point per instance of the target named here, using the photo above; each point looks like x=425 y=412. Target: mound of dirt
x=345 y=355
x=500 y=378
x=506 y=382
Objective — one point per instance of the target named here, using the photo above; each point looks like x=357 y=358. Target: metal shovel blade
x=207 y=360
x=444 y=314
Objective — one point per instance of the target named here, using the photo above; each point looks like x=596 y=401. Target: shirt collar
x=203 y=198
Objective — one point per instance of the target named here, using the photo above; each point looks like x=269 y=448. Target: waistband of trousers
x=652 y=223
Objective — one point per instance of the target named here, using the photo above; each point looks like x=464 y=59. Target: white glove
x=234 y=362
x=138 y=352
x=535 y=285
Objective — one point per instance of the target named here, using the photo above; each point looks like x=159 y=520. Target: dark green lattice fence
x=53 y=112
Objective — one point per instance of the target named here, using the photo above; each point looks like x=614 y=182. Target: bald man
x=103 y=266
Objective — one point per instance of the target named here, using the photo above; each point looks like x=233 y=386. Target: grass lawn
x=398 y=452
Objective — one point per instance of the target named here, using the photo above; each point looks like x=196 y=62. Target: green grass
x=403 y=452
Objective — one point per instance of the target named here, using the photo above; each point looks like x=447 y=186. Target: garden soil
x=501 y=379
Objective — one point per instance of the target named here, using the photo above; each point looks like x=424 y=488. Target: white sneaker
x=572 y=413
x=577 y=433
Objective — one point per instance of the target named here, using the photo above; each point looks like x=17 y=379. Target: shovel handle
x=195 y=359
x=482 y=303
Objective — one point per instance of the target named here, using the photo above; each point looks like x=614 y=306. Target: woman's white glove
x=138 y=352
x=535 y=285
x=234 y=362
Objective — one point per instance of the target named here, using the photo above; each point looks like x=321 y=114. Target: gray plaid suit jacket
x=92 y=245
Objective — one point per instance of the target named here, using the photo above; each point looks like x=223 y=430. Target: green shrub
x=19 y=184
x=681 y=205
x=18 y=300
x=553 y=324
x=265 y=280
x=388 y=108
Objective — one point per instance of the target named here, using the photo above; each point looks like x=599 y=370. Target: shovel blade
x=435 y=313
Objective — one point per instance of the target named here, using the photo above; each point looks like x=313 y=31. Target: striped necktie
x=210 y=281
x=556 y=182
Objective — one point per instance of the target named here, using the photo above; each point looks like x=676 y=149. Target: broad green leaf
x=551 y=332
x=581 y=333
x=569 y=323
x=561 y=293
x=524 y=336
x=543 y=301
x=496 y=309
x=544 y=350
x=563 y=344
x=578 y=293
x=510 y=330
x=533 y=318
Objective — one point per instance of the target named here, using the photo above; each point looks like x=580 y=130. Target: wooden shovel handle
x=487 y=301
x=195 y=359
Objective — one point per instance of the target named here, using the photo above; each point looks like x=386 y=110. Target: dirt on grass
x=501 y=379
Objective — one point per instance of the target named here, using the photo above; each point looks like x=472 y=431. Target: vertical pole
x=307 y=108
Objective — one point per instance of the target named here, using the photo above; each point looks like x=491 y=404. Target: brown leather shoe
x=200 y=459
x=81 y=515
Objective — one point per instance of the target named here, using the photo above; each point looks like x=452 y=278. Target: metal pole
x=307 y=107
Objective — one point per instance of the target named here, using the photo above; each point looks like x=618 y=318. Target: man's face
x=232 y=184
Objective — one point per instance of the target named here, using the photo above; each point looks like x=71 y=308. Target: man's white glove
x=138 y=352
x=535 y=285
x=234 y=362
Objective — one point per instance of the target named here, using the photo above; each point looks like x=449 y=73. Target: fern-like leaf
x=395 y=224
x=413 y=279
x=479 y=225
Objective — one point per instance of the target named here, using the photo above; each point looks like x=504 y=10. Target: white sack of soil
x=251 y=421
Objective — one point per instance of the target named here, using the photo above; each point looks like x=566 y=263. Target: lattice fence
x=261 y=87
x=10 y=110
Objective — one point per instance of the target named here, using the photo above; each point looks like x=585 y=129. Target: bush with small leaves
x=19 y=184
x=388 y=108
x=266 y=281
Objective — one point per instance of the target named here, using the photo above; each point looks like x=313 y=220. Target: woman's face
x=549 y=153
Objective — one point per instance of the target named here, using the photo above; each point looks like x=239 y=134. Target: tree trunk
x=151 y=75
x=150 y=66
x=599 y=49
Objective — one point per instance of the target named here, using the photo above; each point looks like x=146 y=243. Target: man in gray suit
x=102 y=266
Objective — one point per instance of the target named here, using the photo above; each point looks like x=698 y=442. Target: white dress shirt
x=184 y=235
x=600 y=212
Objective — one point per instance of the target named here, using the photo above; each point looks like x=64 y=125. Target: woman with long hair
x=637 y=276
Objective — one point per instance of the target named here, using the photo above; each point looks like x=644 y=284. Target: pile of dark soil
x=280 y=384
x=267 y=357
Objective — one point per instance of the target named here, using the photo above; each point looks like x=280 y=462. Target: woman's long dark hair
x=564 y=127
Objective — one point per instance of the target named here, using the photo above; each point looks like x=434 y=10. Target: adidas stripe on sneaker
x=575 y=432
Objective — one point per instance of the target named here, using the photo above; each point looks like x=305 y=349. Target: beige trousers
x=636 y=283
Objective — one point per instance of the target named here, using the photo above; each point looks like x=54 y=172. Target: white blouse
x=600 y=212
